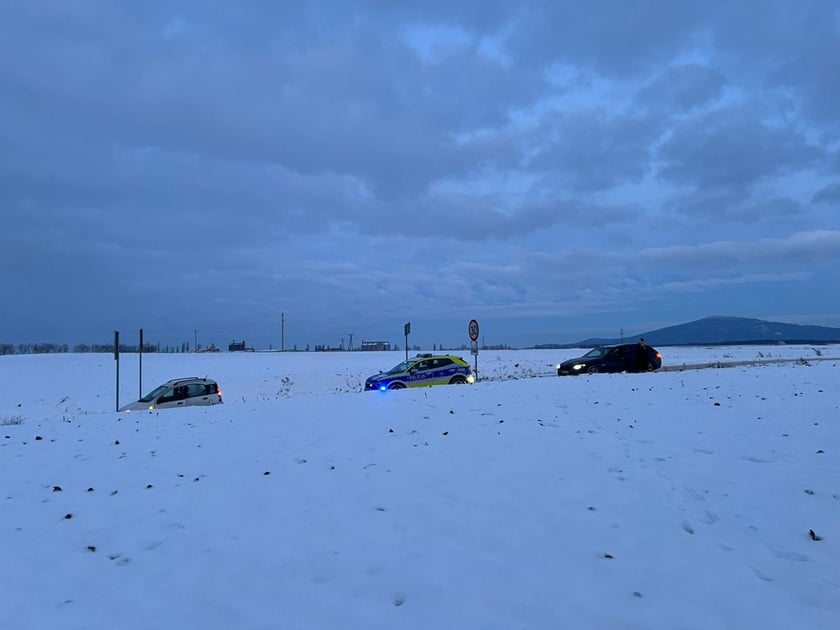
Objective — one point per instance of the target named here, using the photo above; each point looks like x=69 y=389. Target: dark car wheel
x=458 y=380
x=592 y=369
x=396 y=386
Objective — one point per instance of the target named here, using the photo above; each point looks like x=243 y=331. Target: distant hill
x=723 y=330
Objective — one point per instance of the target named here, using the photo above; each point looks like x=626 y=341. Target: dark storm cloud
x=377 y=154
x=681 y=88
x=829 y=195
x=789 y=47
x=482 y=220
x=819 y=246
x=732 y=148
x=310 y=106
x=734 y=208
x=592 y=150
x=603 y=33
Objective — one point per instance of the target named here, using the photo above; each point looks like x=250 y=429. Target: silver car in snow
x=179 y=392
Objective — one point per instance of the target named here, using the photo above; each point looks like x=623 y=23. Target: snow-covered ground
x=669 y=500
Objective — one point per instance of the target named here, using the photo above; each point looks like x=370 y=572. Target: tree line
x=58 y=348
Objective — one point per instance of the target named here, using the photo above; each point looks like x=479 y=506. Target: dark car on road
x=626 y=357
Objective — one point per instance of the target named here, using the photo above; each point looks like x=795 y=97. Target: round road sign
x=473 y=330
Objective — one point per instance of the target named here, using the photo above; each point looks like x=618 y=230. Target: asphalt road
x=703 y=366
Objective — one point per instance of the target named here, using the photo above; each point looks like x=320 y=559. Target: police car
x=421 y=371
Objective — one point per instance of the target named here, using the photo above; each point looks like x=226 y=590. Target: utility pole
x=282 y=332
x=195 y=340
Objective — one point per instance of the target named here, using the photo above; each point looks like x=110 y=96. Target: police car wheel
x=396 y=386
x=458 y=380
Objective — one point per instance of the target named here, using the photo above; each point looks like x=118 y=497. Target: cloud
x=601 y=33
x=701 y=285
x=827 y=195
x=545 y=157
x=592 y=150
x=681 y=88
x=791 y=50
x=734 y=208
x=802 y=247
x=731 y=148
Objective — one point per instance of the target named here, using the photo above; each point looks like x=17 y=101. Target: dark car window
x=176 y=393
x=157 y=391
x=197 y=389
x=168 y=396
x=595 y=353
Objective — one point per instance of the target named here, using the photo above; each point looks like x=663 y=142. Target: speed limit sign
x=473 y=330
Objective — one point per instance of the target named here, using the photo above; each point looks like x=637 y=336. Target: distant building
x=325 y=348
x=376 y=345
x=238 y=346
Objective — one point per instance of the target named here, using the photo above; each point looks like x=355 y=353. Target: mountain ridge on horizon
x=720 y=330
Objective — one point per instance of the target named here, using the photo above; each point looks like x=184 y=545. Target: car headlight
x=578 y=366
x=470 y=379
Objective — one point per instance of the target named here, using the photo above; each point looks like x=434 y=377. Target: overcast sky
x=556 y=170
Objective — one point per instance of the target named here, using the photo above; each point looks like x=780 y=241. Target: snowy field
x=686 y=499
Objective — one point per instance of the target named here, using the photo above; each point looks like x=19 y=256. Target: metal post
x=282 y=332
x=473 y=330
x=195 y=340
x=117 y=359
x=141 y=365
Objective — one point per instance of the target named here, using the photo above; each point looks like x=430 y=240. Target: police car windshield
x=402 y=367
